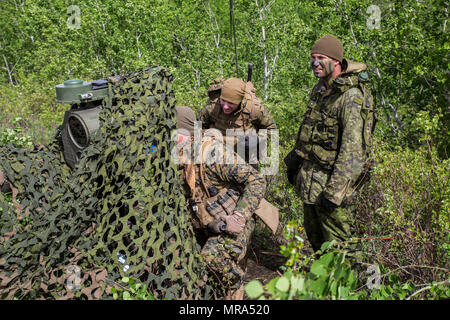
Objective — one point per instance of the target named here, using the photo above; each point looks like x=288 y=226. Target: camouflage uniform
x=244 y=118
x=332 y=148
x=223 y=253
x=251 y=116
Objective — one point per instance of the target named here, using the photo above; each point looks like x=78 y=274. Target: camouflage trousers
x=322 y=225
x=225 y=256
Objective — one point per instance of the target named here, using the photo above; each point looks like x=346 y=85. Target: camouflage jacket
x=330 y=139
x=221 y=174
x=252 y=114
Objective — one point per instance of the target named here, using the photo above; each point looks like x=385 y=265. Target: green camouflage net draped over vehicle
x=68 y=231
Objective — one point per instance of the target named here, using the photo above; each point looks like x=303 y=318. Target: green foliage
x=36 y=106
x=282 y=193
x=15 y=136
x=40 y=48
x=134 y=290
x=407 y=198
x=295 y=243
x=329 y=277
x=438 y=290
x=254 y=289
x=329 y=274
x=397 y=289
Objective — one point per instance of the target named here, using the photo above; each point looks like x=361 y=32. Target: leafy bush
x=15 y=136
x=329 y=277
x=133 y=290
x=404 y=212
x=35 y=105
x=294 y=245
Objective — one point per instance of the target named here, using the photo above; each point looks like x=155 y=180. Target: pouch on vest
x=203 y=214
x=215 y=209
x=222 y=204
x=228 y=200
x=269 y=214
x=369 y=116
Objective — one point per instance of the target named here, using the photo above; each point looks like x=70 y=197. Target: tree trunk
x=8 y=70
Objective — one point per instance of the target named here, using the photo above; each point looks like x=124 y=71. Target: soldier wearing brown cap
x=331 y=153
x=233 y=104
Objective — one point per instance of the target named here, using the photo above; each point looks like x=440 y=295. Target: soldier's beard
x=326 y=67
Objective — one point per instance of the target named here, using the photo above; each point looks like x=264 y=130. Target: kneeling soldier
x=222 y=198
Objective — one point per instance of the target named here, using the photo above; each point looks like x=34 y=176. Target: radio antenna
x=233 y=30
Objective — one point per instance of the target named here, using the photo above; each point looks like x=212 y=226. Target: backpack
x=369 y=114
x=215 y=88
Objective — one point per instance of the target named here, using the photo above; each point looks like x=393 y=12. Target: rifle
x=249 y=72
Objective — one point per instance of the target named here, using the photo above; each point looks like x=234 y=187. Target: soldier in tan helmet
x=331 y=152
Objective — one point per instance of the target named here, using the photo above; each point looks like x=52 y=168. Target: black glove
x=291 y=174
x=293 y=163
x=326 y=204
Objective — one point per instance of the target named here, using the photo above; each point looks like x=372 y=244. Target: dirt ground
x=264 y=257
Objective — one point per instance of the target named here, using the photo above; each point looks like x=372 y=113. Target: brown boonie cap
x=185 y=119
x=329 y=46
x=233 y=90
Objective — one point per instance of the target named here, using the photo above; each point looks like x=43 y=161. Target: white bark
x=215 y=27
x=197 y=73
x=385 y=103
x=445 y=22
x=268 y=69
x=7 y=67
x=138 y=36
x=8 y=70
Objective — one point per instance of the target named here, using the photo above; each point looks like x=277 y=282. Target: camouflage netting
x=122 y=200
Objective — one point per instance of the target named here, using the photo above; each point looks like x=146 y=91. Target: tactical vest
x=320 y=132
x=208 y=202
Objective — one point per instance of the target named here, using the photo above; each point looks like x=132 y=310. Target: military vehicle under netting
x=102 y=200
